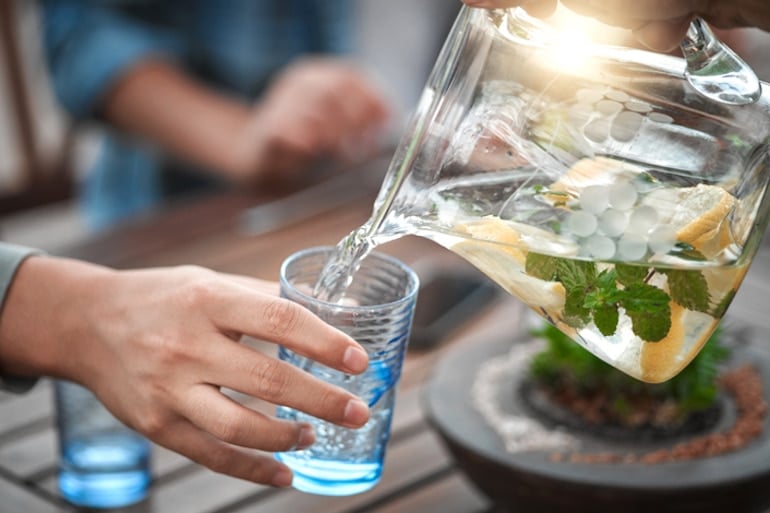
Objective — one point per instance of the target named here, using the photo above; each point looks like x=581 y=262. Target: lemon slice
x=499 y=249
x=664 y=359
x=699 y=215
x=594 y=171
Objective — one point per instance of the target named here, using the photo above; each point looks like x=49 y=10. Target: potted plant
x=540 y=424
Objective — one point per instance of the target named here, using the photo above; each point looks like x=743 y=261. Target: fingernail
x=306 y=437
x=282 y=478
x=355 y=359
x=356 y=413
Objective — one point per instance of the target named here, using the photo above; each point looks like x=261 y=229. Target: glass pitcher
x=590 y=181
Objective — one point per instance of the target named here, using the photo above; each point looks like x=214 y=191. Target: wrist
x=46 y=321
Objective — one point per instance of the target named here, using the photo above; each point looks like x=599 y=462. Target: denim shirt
x=233 y=45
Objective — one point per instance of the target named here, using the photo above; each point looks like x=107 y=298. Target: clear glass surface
x=590 y=181
x=377 y=311
x=103 y=464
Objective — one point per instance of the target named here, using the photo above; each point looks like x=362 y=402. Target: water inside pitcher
x=590 y=181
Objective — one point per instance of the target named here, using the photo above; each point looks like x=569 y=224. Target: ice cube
x=662 y=239
x=623 y=195
x=595 y=199
x=632 y=247
x=582 y=224
x=642 y=219
x=600 y=247
x=612 y=222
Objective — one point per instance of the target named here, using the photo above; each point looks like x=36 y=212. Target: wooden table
x=419 y=475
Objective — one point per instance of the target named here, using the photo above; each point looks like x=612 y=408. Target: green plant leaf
x=649 y=310
x=630 y=274
x=575 y=275
x=689 y=289
x=576 y=313
x=541 y=266
x=606 y=319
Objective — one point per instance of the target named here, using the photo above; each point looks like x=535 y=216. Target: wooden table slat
x=30 y=455
x=451 y=494
x=20 y=410
x=18 y=499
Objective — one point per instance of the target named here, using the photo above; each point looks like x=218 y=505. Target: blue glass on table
x=103 y=464
x=346 y=461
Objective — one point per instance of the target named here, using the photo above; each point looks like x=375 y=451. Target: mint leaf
x=630 y=274
x=689 y=289
x=649 y=310
x=606 y=280
x=606 y=319
x=576 y=313
x=576 y=275
x=541 y=266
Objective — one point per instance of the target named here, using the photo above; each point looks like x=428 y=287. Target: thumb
x=662 y=36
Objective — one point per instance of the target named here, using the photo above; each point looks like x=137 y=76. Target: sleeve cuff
x=90 y=51
x=11 y=257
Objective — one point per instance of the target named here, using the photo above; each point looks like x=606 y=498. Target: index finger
x=278 y=320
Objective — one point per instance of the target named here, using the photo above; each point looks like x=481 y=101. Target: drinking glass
x=377 y=312
x=103 y=463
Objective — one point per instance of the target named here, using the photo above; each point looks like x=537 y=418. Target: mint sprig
x=598 y=296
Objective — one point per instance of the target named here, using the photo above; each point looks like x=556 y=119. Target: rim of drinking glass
x=409 y=295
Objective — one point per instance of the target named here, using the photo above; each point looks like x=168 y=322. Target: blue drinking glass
x=103 y=463
x=377 y=312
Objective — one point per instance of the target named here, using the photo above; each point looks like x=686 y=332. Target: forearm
x=158 y=102
x=44 y=319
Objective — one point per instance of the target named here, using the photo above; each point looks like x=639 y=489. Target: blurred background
x=44 y=155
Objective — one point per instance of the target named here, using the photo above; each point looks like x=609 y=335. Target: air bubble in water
x=582 y=224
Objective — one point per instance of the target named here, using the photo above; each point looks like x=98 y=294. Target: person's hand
x=317 y=107
x=658 y=24
x=156 y=346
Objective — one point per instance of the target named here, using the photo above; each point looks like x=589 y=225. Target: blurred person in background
x=203 y=93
